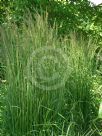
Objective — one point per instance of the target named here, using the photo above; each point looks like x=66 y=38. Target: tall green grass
x=49 y=82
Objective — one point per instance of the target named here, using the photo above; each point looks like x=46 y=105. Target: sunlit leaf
x=100 y=111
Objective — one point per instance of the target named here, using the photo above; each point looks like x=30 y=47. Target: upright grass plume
x=49 y=81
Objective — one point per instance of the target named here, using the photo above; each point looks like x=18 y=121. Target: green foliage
x=36 y=101
x=100 y=111
x=70 y=15
x=39 y=107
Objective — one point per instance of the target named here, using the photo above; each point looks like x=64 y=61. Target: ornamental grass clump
x=49 y=81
